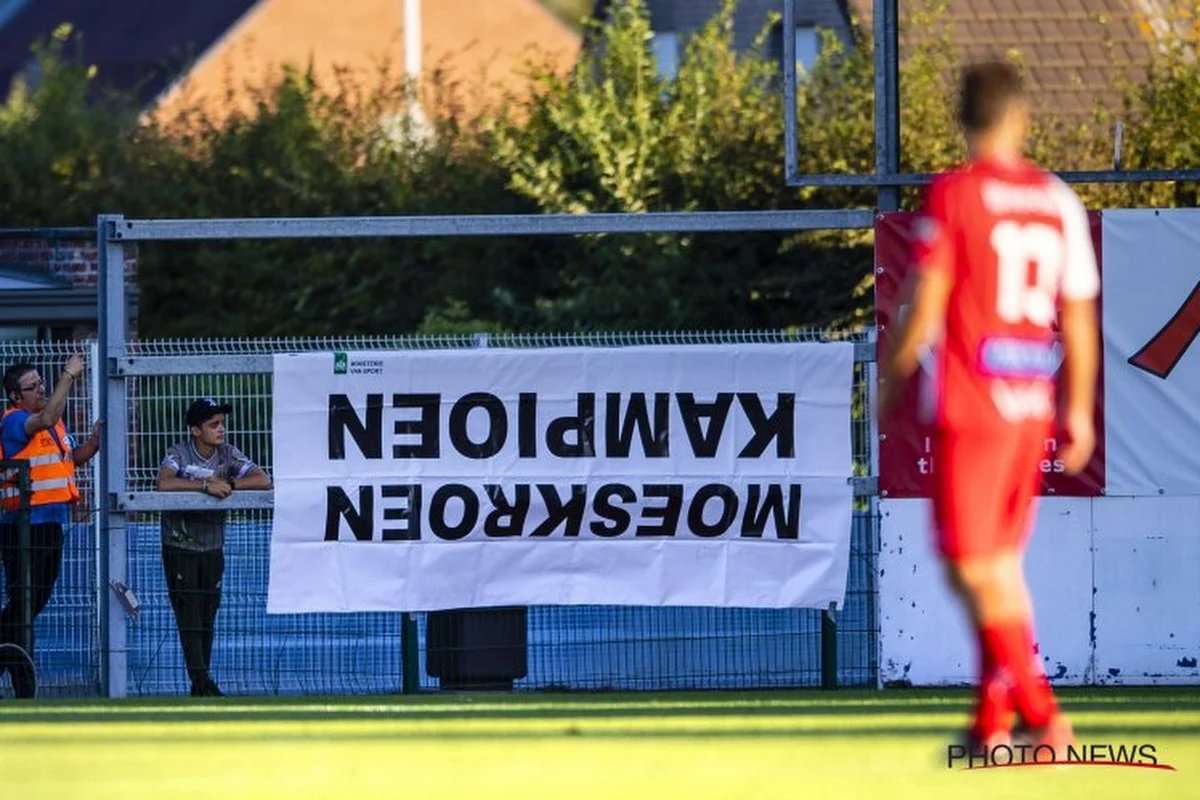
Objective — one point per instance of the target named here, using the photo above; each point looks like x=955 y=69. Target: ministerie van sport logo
x=343 y=364
x=1138 y=755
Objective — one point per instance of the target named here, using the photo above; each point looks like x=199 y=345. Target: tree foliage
x=612 y=136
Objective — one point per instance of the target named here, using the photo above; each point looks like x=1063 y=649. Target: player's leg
x=1010 y=624
x=1032 y=695
x=967 y=512
x=977 y=582
x=1055 y=730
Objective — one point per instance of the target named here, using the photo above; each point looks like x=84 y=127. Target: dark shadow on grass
x=1101 y=733
x=308 y=710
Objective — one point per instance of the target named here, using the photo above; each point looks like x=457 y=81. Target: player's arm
x=1080 y=332
x=926 y=314
x=929 y=294
x=1080 y=340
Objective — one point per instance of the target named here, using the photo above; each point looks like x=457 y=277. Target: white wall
x=1134 y=563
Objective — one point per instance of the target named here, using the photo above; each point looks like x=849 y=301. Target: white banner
x=695 y=475
x=1151 y=363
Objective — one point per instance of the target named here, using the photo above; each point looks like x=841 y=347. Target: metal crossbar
x=144 y=230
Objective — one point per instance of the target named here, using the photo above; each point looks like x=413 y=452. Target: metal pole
x=829 y=649
x=410 y=654
x=887 y=164
x=112 y=543
x=791 y=155
x=887 y=100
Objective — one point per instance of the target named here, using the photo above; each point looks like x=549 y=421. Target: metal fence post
x=410 y=654
x=112 y=543
x=871 y=370
x=887 y=100
x=829 y=648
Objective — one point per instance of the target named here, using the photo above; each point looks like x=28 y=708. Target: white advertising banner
x=925 y=637
x=682 y=476
x=1151 y=362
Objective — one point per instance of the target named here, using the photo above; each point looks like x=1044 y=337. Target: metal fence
x=68 y=632
x=568 y=647
x=593 y=648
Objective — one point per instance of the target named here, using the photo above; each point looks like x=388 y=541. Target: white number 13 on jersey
x=1017 y=246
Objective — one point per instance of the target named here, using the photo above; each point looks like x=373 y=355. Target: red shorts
x=984 y=487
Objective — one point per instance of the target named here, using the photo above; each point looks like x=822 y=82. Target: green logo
x=340 y=362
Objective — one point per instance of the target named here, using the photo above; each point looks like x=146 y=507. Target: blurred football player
x=1003 y=255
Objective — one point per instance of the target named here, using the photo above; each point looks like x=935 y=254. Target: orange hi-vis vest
x=51 y=470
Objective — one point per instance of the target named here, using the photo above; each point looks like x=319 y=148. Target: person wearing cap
x=193 y=542
x=32 y=430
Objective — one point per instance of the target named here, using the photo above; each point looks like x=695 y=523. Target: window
x=665 y=47
x=808 y=46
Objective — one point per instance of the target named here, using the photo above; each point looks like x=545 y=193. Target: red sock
x=992 y=704
x=1011 y=645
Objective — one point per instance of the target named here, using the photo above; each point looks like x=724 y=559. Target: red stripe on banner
x=1160 y=355
x=905 y=452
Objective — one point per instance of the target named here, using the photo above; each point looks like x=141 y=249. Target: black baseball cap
x=205 y=409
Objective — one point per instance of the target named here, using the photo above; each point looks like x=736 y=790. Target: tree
x=615 y=136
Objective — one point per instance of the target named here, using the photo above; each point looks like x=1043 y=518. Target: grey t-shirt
x=200 y=530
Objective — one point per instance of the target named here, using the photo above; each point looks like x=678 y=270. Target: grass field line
x=838 y=703
x=752 y=745
x=247 y=722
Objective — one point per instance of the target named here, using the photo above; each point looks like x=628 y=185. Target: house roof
x=232 y=44
x=1075 y=51
x=135 y=43
x=481 y=46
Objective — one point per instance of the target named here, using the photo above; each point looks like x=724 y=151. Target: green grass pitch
x=793 y=744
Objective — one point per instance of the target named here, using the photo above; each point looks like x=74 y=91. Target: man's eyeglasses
x=33 y=386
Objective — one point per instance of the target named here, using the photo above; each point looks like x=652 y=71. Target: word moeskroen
x=453 y=511
x=638 y=415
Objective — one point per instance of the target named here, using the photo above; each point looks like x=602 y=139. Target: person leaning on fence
x=193 y=542
x=32 y=430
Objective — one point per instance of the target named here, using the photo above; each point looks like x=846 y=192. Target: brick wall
x=73 y=262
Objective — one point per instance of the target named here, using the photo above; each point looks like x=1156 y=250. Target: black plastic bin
x=478 y=649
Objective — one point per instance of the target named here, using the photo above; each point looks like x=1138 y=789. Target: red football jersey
x=1014 y=240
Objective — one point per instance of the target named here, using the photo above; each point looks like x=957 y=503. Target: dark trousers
x=45 y=563
x=194 y=586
